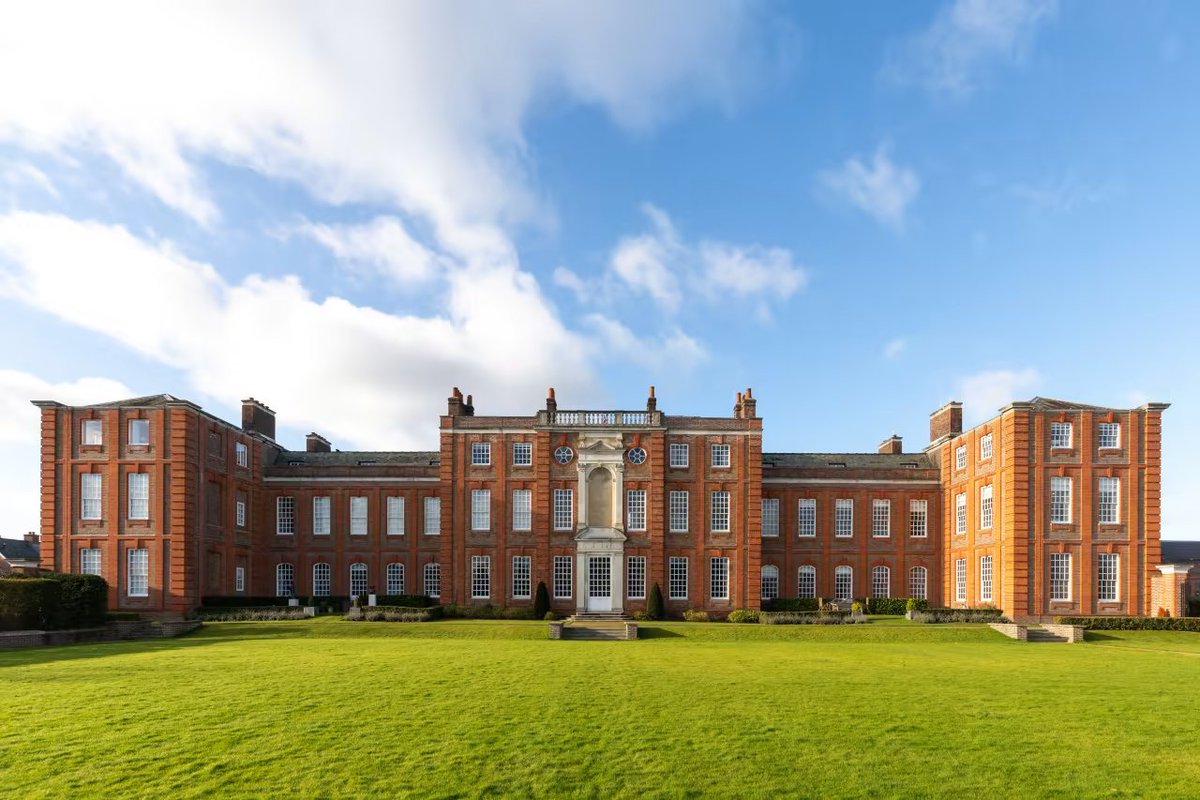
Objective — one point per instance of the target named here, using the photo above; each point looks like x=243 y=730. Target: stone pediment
x=599 y=443
x=591 y=534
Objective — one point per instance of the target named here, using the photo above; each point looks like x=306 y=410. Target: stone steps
x=612 y=630
x=1042 y=635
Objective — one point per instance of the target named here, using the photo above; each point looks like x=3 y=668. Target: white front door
x=599 y=585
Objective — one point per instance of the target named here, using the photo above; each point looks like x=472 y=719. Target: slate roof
x=354 y=458
x=1180 y=551
x=850 y=460
x=1053 y=404
x=19 y=550
x=148 y=400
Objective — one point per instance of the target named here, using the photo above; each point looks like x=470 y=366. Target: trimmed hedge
x=1133 y=623
x=252 y=614
x=811 y=618
x=892 y=605
x=393 y=614
x=488 y=611
x=53 y=601
x=792 y=604
x=743 y=615
x=241 y=601
x=939 y=615
x=405 y=600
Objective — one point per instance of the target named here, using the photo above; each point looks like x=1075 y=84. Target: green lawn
x=326 y=708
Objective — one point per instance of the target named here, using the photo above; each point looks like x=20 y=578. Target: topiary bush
x=541 y=601
x=655 y=608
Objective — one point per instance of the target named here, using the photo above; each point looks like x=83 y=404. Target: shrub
x=83 y=599
x=550 y=616
x=655 y=608
x=1194 y=607
x=939 y=615
x=792 y=604
x=1133 y=623
x=388 y=614
x=856 y=607
x=29 y=604
x=253 y=614
x=541 y=601
x=642 y=616
x=692 y=615
x=238 y=601
x=743 y=615
x=893 y=605
x=520 y=613
x=403 y=600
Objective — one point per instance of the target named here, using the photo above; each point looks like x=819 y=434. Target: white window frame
x=241 y=453
x=918 y=583
x=139 y=495
x=522 y=577
x=768 y=582
x=431 y=576
x=395 y=516
x=806 y=581
x=239 y=513
x=985 y=507
x=481 y=454
x=985 y=447
x=92 y=432
x=137 y=579
x=960 y=457
x=481 y=577
x=285 y=580
x=522 y=509
x=843 y=583
x=87 y=555
x=522 y=454
x=806 y=517
x=718 y=578
x=1061 y=491
x=1060 y=577
x=843 y=516
x=881 y=518
x=719 y=508
x=1109 y=432
x=720 y=454
x=285 y=515
x=1108 y=577
x=960 y=513
x=881 y=576
x=360 y=578
x=91 y=495
x=1062 y=434
x=635 y=577
x=770 y=517
x=918 y=518
x=677 y=578
x=960 y=580
x=635 y=509
x=239 y=579
x=321 y=515
x=1108 y=496
x=564 y=509
x=394 y=578
x=433 y=517
x=677 y=511
x=322 y=579
x=481 y=509
x=678 y=454
x=359 y=513
x=564 y=579
x=142 y=426
x=985 y=579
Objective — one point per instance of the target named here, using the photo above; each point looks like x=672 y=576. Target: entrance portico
x=599 y=524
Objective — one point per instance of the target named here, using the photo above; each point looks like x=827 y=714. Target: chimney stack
x=551 y=403
x=892 y=445
x=257 y=418
x=454 y=403
x=749 y=405
x=652 y=401
x=316 y=443
x=469 y=407
x=737 y=407
x=946 y=421
x=32 y=537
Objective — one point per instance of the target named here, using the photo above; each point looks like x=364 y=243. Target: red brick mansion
x=1048 y=507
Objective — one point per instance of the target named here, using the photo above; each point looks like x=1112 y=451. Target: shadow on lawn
x=657 y=633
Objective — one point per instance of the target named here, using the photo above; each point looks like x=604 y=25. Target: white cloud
x=20 y=434
x=964 y=40
x=985 y=393
x=882 y=189
x=894 y=348
x=674 y=350
x=418 y=105
x=382 y=246
x=364 y=377
x=573 y=283
x=18 y=175
x=1061 y=195
x=663 y=265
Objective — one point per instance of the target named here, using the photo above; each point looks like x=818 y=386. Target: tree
x=541 y=601
x=654 y=608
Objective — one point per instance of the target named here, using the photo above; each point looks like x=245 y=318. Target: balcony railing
x=602 y=419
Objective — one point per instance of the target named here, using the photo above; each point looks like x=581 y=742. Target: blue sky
x=862 y=210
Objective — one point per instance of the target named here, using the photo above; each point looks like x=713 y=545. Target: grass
x=326 y=708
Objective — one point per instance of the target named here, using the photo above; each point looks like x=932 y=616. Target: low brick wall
x=1072 y=633
x=1011 y=630
x=631 y=630
x=556 y=630
x=112 y=632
